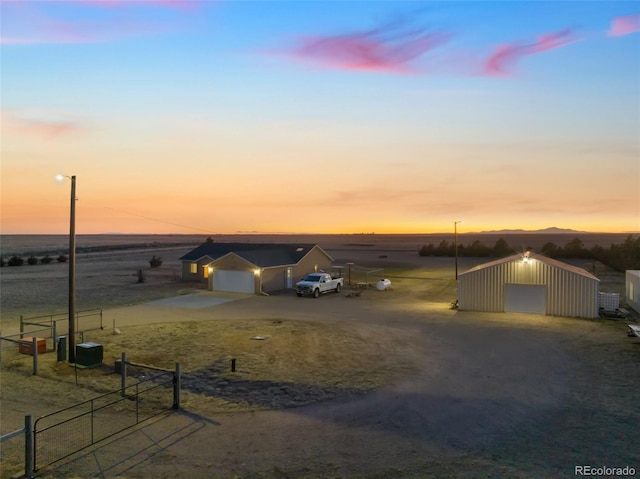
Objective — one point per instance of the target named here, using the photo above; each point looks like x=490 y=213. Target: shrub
x=62 y=258
x=15 y=261
x=32 y=260
x=2 y=263
x=46 y=260
x=427 y=250
x=155 y=261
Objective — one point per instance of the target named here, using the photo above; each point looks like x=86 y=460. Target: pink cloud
x=33 y=26
x=624 y=25
x=505 y=56
x=379 y=50
x=56 y=31
x=38 y=124
x=120 y=3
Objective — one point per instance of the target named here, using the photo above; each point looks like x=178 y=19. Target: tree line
x=622 y=256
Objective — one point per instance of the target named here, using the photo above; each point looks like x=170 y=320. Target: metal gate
x=67 y=431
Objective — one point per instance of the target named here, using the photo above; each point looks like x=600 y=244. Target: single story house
x=529 y=283
x=252 y=267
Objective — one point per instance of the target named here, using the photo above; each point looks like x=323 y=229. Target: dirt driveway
x=492 y=395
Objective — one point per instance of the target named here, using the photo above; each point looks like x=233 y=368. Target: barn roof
x=538 y=257
x=263 y=255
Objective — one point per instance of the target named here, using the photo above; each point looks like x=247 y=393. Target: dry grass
x=312 y=355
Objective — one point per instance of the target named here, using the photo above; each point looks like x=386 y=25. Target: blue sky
x=398 y=116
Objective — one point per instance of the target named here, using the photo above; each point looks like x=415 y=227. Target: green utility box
x=89 y=354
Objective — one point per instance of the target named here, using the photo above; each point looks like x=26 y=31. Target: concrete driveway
x=198 y=300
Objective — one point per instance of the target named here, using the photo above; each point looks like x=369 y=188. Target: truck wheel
x=316 y=293
x=298 y=294
x=338 y=288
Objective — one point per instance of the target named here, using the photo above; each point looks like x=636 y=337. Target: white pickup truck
x=315 y=284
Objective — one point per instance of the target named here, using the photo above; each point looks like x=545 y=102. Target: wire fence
x=357 y=276
x=67 y=431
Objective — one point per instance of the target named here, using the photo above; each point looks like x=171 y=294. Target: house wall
x=632 y=289
x=274 y=279
x=306 y=265
x=568 y=293
x=187 y=275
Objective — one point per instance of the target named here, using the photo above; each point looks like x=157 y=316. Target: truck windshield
x=314 y=278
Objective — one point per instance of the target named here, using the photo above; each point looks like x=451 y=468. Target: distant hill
x=545 y=231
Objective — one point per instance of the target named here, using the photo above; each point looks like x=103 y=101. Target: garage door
x=233 y=281
x=525 y=298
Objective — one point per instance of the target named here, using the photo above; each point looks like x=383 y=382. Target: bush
x=46 y=260
x=2 y=263
x=62 y=258
x=15 y=261
x=427 y=250
x=155 y=261
x=32 y=260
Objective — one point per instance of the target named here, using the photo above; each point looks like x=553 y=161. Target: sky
x=222 y=117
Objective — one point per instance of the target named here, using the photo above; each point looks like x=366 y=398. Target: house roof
x=263 y=255
x=539 y=257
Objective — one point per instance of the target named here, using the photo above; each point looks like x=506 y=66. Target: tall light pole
x=72 y=269
x=455 y=244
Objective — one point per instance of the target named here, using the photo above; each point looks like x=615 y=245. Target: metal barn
x=529 y=283
x=632 y=288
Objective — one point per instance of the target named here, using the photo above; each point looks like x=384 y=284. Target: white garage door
x=525 y=298
x=233 y=281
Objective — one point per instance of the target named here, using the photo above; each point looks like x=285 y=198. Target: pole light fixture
x=72 y=268
x=455 y=244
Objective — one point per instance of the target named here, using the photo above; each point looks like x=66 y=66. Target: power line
x=150 y=218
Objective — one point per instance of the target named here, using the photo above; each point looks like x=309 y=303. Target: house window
x=194 y=268
x=205 y=271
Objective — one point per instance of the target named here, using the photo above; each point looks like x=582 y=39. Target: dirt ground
x=459 y=394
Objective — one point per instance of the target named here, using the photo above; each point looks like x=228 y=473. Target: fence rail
x=67 y=431
x=49 y=323
x=27 y=431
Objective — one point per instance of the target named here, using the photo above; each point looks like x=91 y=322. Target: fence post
x=176 y=387
x=123 y=374
x=34 y=350
x=21 y=327
x=55 y=335
x=28 y=446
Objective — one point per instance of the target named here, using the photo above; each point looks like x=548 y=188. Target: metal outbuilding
x=632 y=288
x=529 y=283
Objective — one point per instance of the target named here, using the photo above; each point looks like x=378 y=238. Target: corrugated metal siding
x=568 y=293
x=632 y=289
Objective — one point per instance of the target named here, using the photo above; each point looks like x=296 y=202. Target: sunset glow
x=320 y=117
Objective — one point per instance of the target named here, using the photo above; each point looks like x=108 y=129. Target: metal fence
x=54 y=325
x=67 y=431
x=26 y=433
x=12 y=346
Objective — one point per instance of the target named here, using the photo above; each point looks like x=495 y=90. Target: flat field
x=385 y=384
